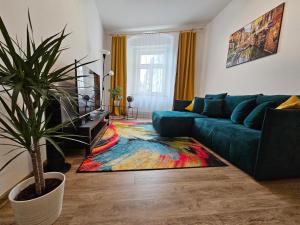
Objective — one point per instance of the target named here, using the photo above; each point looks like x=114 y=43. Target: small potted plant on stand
x=116 y=97
x=28 y=83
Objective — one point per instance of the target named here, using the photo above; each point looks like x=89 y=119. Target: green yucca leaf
x=4 y=57
x=69 y=138
x=15 y=95
x=28 y=53
x=28 y=74
x=6 y=37
x=55 y=145
x=45 y=46
x=30 y=23
x=51 y=59
x=19 y=46
x=6 y=77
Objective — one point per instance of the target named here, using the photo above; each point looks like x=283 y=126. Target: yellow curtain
x=118 y=65
x=185 y=73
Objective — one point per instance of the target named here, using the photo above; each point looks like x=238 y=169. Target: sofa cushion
x=216 y=96
x=190 y=106
x=292 y=103
x=242 y=110
x=255 y=119
x=179 y=105
x=230 y=102
x=174 y=123
x=234 y=142
x=213 y=108
x=204 y=127
x=198 y=105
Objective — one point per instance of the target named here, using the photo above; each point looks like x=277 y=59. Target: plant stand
x=132 y=113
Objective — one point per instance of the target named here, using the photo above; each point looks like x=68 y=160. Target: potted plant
x=116 y=98
x=115 y=94
x=28 y=83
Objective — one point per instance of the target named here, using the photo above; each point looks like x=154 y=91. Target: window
x=151 y=70
x=150 y=74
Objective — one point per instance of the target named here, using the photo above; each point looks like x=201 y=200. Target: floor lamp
x=110 y=74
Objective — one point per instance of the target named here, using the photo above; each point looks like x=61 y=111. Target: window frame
x=139 y=51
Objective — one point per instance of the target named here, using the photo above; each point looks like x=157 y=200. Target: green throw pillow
x=213 y=108
x=198 y=105
x=216 y=96
x=242 y=110
x=255 y=119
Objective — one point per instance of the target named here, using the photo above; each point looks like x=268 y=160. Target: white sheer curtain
x=151 y=71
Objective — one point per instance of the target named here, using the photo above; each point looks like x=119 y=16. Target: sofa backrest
x=230 y=102
x=274 y=98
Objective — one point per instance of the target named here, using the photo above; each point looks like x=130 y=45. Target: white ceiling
x=133 y=15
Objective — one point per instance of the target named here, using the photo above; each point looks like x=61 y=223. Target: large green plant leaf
x=30 y=81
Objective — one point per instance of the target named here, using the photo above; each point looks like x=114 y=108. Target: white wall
x=49 y=17
x=200 y=45
x=276 y=74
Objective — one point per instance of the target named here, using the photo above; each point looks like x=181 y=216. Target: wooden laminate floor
x=222 y=195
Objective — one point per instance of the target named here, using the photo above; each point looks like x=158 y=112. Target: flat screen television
x=88 y=90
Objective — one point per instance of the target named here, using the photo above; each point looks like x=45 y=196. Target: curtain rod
x=156 y=32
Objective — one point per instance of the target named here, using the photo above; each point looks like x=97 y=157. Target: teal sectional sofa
x=271 y=152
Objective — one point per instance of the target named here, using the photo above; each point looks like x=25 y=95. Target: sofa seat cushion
x=204 y=129
x=234 y=142
x=174 y=123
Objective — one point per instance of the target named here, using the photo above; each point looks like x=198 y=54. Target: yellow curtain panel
x=185 y=73
x=118 y=65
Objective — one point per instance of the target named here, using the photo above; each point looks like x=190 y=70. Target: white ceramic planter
x=43 y=210
x=117 y=103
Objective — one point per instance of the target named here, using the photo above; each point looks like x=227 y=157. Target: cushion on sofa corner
x=242 y=110
x=213 y=108
x=292 y=103
x=255 y=119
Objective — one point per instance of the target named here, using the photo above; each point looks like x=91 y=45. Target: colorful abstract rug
x=136 y=146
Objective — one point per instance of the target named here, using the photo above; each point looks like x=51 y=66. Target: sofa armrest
x=179 y=105
x=278 y=155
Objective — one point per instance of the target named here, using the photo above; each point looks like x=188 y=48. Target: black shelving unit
x=92 y=130
x=89 y=128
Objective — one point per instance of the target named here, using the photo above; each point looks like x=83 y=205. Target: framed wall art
x=258 y=39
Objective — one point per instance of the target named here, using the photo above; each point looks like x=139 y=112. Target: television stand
x=86 y=118
x=92 y=130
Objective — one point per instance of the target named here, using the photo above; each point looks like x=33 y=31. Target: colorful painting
x=136 y=146
x=257 y=39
